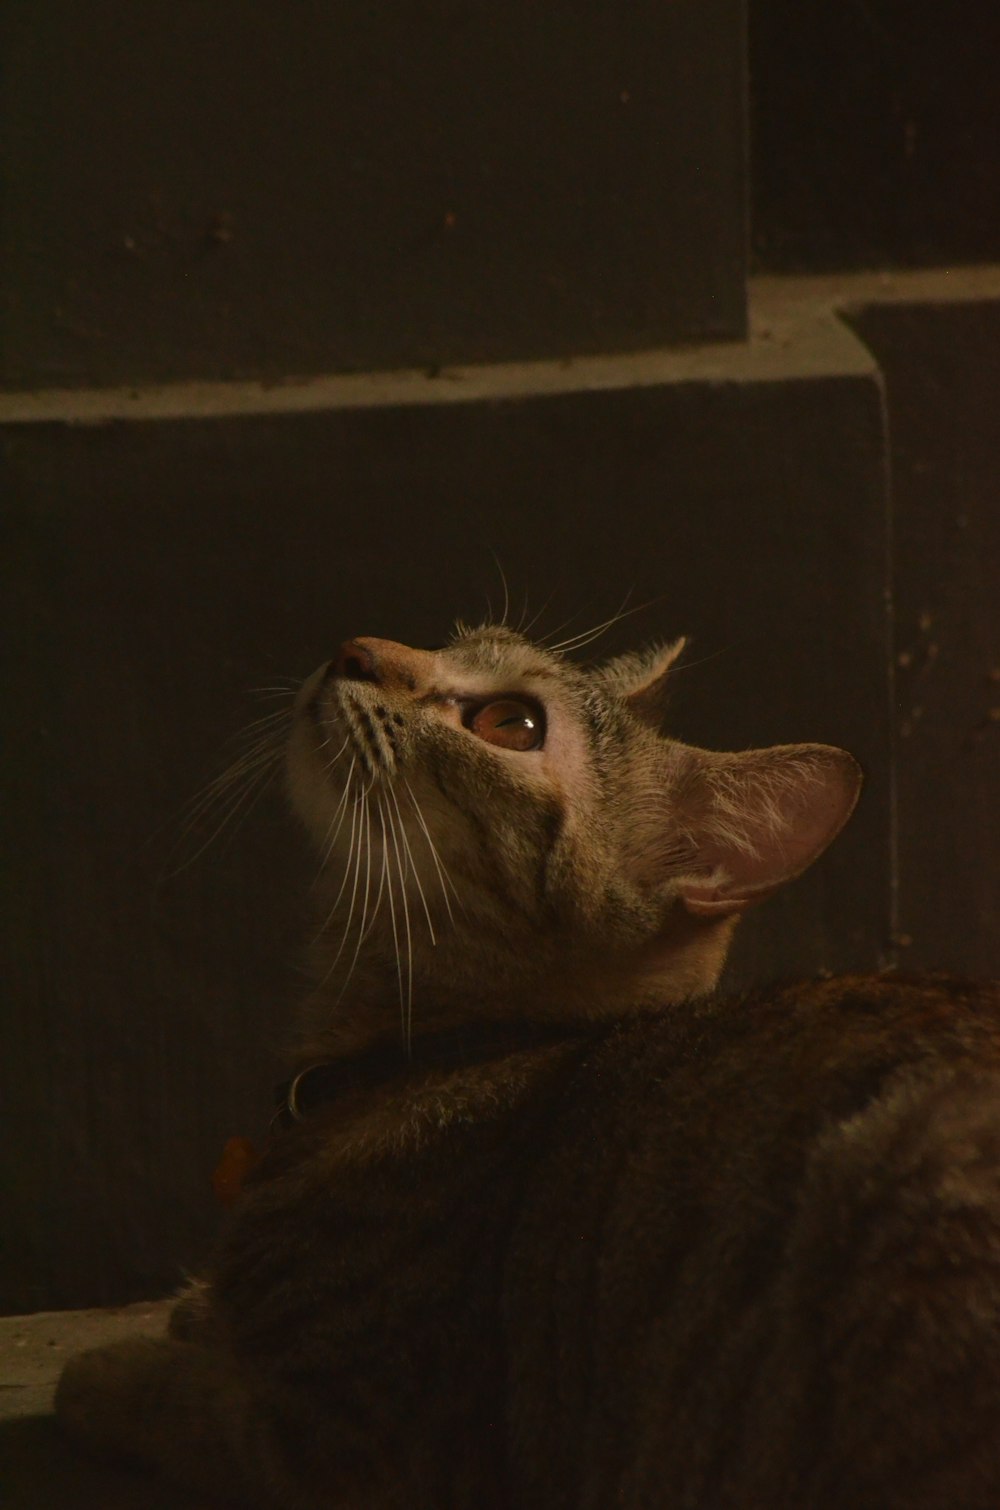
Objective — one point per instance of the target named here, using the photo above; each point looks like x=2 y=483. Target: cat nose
x=355 y=662
x=382 y=662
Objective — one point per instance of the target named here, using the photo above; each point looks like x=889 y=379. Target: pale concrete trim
x=796 y=331
x=846 y=291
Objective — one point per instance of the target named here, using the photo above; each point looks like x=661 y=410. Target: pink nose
x=384 y=663
x=355 y=662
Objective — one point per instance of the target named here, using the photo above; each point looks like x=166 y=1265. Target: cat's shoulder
x=817 y=1048
x=930 y=1007
x=725 y=1107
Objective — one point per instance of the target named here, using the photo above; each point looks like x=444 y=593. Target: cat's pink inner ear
x=760 y=818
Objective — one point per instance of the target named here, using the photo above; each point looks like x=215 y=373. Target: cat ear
x=640 y=678
x=754 y=820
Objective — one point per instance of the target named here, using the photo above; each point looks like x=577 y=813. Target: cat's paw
x=101 y=1395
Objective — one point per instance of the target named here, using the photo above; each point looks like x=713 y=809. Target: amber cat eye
x=510 y=723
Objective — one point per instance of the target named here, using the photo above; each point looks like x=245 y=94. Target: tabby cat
x=543 y=1223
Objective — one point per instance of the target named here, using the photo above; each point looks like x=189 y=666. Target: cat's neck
x=382 y=1006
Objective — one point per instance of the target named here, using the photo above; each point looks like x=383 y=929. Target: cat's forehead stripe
x=505 y=653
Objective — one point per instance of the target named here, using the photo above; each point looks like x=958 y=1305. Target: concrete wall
x=876 y=134
x=272 y=189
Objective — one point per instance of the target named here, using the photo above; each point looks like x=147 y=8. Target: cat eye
x=509 y=723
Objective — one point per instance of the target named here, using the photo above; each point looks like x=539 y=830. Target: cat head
x=504 y=830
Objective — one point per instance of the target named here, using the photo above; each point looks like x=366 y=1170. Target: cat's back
x=760 y=1263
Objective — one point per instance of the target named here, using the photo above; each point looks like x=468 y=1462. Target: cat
x=544 y=1220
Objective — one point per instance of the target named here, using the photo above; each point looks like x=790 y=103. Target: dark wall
x=942 y=373
x=274 y=189
x=875 y=129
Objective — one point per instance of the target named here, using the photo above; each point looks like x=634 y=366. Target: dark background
x=875 y=130
x=804 y=479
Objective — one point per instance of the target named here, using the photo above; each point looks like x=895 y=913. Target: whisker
x=526 y=628
x=544 y=639
x=506 y=592
x=260 y=779
x=262 y=787
x=355 y=807
x=336 y=823
x=263 y=735
x=269 y=720
x=392 y=914
x=413 y=867
x=221 y=797
x=357 y=876
x=439 y=865
x=224 y=792
x=362 y=930
x=333 y=758
x=587 y=634
x=378 y=895
x=406 y=923
x=580 y=640
x=263 y=750
x=702 y=660
x=280 y=690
